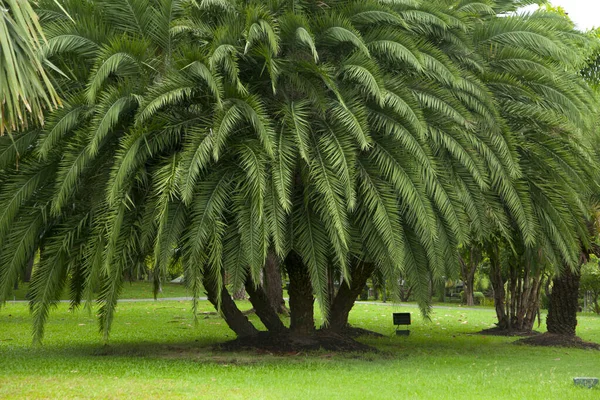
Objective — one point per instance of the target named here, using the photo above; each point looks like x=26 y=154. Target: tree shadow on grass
x=216 y=351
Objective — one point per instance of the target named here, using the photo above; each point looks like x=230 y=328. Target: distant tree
x=590 y=282
x=552 y=153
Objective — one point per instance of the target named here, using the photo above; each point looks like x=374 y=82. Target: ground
x=156 y=351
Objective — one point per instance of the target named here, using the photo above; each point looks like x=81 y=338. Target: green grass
x=157 y=351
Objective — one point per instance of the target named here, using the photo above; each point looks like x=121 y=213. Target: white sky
x=584 y=13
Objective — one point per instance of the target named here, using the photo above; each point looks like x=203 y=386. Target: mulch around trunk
x=507 y=332
x=554 y=340
x=287 y=342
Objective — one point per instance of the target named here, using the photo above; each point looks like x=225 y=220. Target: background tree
x=554 y=152
x=590 y=282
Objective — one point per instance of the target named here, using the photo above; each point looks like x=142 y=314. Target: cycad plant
x=338 y=137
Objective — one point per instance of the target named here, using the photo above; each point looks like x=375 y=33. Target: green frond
x=336 y=35
x=331 y=204
x=306 y=39
x=13 y=148
x=25 y=86
x=209 y=204
x=121 y=59
x=277 y=220
x=61 y=123
x=108 y=112
x=17 y=249
x=312 y=244
x=283 y=169
x=18 y=189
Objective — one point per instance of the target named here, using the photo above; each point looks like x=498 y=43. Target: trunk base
x=554 y=340
x=288 y=342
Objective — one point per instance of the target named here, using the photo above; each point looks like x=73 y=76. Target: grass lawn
x=156 y=351
x=131 y=290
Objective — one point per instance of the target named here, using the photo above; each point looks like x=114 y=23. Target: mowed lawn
x=156 y=351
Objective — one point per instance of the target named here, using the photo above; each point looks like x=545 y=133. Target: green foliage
x=25 y=86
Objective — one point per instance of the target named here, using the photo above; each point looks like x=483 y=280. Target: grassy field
x=131 y=290
x=157 y=351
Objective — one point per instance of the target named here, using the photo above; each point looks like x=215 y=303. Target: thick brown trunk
x=562 y=310
x=347 y=294
x=273 y=285
x=229 y=310
x=301 y=296
x=263 y=307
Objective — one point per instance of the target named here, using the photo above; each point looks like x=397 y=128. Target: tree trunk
x=518 y=305
x=562 y=311
x=533 y=303
x=330 y=286
x=273 y=285
x=301 y=296
x=498 y=287
x=468 y=288
x=264 y=308
x=239 y=294
x=405 y=291
x=468 y=269
x=28 y=269
x=347 y=294
x=229 y=310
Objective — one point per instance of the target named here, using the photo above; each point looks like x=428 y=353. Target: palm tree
x=25 y=88
x=339 y=137
x=543 y=99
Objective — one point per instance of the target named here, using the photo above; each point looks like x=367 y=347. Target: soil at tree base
x=507 y=332
x=554 y=340
x=287 y=342
x=354 y=332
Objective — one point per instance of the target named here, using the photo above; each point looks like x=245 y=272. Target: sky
x=584 y=13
